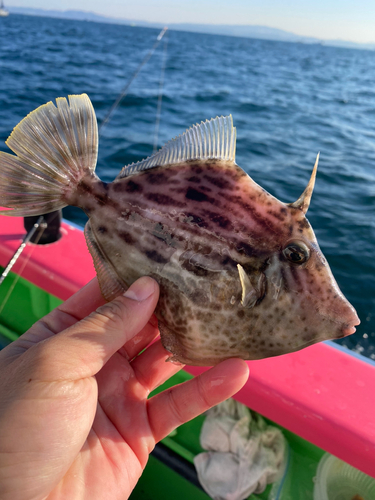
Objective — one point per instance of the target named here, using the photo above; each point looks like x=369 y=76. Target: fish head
x=302 y=303
x=303 y=295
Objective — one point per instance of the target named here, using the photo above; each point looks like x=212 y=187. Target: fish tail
x=55 y=147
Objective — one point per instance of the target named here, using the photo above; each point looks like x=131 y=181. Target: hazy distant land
x=246 y=31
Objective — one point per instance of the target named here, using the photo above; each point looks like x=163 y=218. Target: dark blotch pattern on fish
x=195 y=179
x=156 y=257
x=221 y=183
x=220 y=220
x=133 y=187
x=127 y=237
x=157 y=178
x=195 y=195
x=303 y=224
x=194 y=269
x=164 y=200
x=277 y=214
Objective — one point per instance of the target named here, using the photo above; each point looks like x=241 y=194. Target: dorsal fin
x=214 y=138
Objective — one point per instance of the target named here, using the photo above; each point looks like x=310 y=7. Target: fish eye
x=297 y=253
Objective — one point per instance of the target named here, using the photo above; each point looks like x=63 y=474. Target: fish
x=241 y=273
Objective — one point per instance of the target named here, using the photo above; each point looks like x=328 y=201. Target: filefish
x=241 y=274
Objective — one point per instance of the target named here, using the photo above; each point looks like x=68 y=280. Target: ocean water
x=288 y=102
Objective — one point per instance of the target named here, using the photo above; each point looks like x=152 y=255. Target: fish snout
x=350 y=327
x=345 y=313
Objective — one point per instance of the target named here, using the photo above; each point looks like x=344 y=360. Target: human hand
x=75 y=421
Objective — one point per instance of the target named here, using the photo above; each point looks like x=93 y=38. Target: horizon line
x=337 y=42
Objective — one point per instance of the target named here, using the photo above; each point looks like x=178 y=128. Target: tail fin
x=55 y=148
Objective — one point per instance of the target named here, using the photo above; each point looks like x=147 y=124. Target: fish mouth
x=349 y=319
x=348 y=330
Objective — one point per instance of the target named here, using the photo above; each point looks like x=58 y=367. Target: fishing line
x=134 y=76
x=38 y=225
x=160 y=98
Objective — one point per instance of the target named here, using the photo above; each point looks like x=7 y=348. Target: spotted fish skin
x=189 y=227
x=240 y=273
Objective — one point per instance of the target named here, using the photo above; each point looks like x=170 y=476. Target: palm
x=87 y=404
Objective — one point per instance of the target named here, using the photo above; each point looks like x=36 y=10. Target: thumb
x=82 y=349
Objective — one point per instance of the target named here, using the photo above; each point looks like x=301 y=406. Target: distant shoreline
x=241 y=31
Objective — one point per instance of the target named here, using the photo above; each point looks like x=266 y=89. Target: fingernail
x=141 y=289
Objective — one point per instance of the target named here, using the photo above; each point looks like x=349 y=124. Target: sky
x=352 y=20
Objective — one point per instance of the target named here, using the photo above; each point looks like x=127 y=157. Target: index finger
x=83 y=302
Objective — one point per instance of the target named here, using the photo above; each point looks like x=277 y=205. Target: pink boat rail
x=322 y=393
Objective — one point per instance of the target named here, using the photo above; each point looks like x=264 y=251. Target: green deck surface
x=21 y=304
x=303 y=456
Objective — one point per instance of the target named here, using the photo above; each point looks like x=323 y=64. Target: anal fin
x=110 y=284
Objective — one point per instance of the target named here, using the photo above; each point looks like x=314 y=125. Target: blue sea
x=288 y=101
